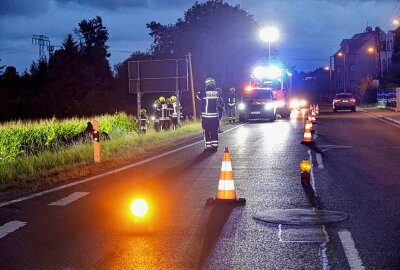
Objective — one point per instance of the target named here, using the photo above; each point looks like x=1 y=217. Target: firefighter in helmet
x=210 y=98
x=173 y=111
x=232 y=105
x=164 y=119
x=157 y=114
x=143 y=120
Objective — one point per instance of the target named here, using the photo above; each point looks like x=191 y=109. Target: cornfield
x=20 y=138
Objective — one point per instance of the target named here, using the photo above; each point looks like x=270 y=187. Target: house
x=367 y=53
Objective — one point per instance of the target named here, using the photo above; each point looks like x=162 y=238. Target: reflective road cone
x=317 y=110
x=309 y=125
x=226 y=189
x=313 y=119
x=307 y=139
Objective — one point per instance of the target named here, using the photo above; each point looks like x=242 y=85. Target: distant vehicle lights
x=242 y=106
x=296 y=104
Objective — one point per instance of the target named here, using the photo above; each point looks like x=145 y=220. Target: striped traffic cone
x=313 y=117
x=226 y=189
x=307 y=138
x=317 y=110
x=309 y=125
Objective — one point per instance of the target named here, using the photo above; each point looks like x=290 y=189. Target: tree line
x=77 y=78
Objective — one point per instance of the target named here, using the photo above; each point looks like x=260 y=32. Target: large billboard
x=152 y=76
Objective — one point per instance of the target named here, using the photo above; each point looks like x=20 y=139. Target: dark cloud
x=23 y=7
x=118 y=4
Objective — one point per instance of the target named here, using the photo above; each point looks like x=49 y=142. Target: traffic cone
x=226 y=189
x=309 y=125
x=307 y=138
x=317 y=110
x=313 y=117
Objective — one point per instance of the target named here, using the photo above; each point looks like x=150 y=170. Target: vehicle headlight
x=295 y=104
x=269 y=106
x=303 y=103
x=280 y=103
x=242 y=106
x=152 y=118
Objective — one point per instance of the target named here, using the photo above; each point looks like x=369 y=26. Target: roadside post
x=96 y=141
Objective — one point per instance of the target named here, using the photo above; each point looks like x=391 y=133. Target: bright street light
x=396 y=21
x=269 y=34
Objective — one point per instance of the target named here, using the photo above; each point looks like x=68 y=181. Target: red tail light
x=352 y=100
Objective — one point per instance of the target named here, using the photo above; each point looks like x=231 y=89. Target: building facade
x=367 y=53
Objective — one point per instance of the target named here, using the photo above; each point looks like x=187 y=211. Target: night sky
x=309 y=29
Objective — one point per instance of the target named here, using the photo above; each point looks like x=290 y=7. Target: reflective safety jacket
x=209 y=98
x=232 y=99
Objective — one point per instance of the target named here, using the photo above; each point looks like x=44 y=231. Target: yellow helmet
x=161 y=99
x=173 y=98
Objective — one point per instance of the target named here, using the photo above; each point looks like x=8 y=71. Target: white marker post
x=96 y=141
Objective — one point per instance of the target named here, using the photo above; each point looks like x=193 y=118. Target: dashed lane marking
x=69 y=199
x=350 y=249
x=107 y=173
x=319 y=161
x=10 y=227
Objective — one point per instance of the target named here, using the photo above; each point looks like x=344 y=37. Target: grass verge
x=47 y=168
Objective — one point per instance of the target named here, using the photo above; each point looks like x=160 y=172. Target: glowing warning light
x=139 y=208
x=248 y=88
x=305 y=166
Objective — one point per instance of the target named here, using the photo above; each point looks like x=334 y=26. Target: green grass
x=21 y=138
x=49 y=167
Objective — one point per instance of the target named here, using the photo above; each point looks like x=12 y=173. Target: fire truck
x=264 y=97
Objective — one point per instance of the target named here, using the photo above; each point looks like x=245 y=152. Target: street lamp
x=269 y=34
x=396 y=21
x=371 y=50
x=344 y=70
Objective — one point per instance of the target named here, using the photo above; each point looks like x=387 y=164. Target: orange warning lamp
x=305 y=166
x=139 y=208
x=248 y=88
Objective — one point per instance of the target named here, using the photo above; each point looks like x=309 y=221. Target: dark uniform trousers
x=210 y=126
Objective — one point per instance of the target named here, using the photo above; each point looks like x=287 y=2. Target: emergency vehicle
x=264 y=97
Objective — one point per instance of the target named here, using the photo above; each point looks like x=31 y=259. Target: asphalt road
x=356 y=171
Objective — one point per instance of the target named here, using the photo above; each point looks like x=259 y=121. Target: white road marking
x=383 y=120
x=312 y=180
x=11 y=227
x=69 y=199
x=319 y=161
x=106 y=173
x=350 y=249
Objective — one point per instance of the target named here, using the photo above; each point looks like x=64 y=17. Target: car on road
x=257 y=104
x=344 y=101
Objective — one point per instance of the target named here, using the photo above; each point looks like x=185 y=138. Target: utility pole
x=192 y=85
x=378 y=51
x=42 y=41
x=330 y=76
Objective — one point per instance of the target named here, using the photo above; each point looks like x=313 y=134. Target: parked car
x=344 y=101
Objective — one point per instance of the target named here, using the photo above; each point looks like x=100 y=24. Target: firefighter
x=232 y=105
x=220 y=108
x=164 y=119
x=173 y=111
x=209 y=98
x=143 y=120
x=157 y=114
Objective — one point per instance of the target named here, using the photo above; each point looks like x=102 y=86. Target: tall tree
x=222 y=38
